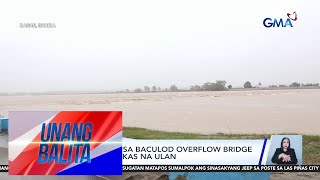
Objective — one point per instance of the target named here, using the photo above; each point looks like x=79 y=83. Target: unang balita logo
x=269 y=22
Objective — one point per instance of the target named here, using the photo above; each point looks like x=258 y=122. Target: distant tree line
x=247 y=85
x=219 y=85
x=296 y=85
x=156 y=89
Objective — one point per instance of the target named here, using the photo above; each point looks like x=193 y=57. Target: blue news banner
x=211 y=156
x=214 y=155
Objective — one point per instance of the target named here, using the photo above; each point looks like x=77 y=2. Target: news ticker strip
x=4 y=168
x=221 y=168
x=212 y=168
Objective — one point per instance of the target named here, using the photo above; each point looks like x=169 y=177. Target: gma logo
x=268 y=22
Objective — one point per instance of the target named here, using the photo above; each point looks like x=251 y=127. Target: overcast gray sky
x=111 y=45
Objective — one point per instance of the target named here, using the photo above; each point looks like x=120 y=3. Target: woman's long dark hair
x=283 y=140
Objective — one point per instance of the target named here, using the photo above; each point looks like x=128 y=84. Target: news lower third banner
x=211 y=156
x=193 y=152
x=279 y=150
x=281 y=153
x=65 y=143
x=90 y=143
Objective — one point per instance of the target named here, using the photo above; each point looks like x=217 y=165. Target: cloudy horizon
x=107 y=46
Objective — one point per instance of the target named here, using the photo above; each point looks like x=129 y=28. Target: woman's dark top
x=288 y=152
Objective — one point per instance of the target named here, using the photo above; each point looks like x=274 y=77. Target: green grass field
x=311 y=144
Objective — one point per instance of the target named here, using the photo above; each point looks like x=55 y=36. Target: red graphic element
x=295 y=16
x=105 y=125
